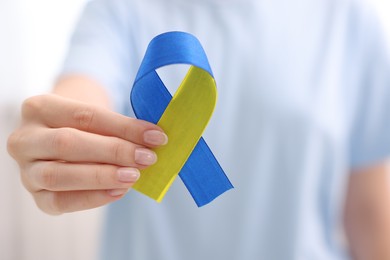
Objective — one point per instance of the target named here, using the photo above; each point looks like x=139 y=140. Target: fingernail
x=145 y=156
x=117 y=192
x=155 y=137
x=128 y=174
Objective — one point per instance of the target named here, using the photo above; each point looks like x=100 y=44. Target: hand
x=74 y=156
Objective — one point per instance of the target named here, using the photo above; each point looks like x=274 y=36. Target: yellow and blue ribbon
x=183 y=117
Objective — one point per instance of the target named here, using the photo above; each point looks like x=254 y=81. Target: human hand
x=74 y=156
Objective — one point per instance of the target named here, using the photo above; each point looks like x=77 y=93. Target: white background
x=33 y=39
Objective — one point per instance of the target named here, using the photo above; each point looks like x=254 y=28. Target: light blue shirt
x=304 y=96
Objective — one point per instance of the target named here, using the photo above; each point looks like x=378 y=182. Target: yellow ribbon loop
x=184 y=121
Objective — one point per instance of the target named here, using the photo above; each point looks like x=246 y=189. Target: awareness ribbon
x=183 y=118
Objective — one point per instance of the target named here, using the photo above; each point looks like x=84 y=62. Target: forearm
x=84 y=89
x=367 y=213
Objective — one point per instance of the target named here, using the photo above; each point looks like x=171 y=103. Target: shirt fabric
x=304 y=96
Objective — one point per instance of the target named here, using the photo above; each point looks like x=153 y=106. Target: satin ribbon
x=183 y=118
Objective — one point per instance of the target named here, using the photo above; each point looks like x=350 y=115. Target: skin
x=367 y=212
x=73 y=152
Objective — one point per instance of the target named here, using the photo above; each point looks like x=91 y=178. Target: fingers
x=60 y=187
x=74 y=156
x=72 y=145
x=56 y=112
x=69 y=201
x=62 y=176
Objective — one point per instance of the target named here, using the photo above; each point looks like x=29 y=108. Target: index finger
x=56 y=112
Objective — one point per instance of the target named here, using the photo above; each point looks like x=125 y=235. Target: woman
x=301 y=124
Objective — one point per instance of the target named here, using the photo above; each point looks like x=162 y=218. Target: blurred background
x=33 y=40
